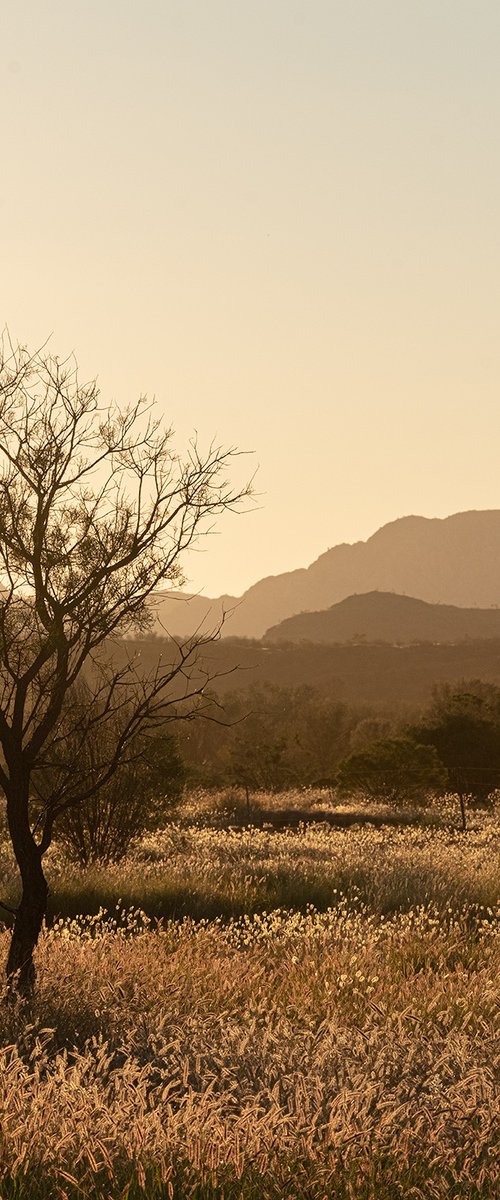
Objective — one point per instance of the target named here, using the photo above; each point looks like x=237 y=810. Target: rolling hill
x=386 y=617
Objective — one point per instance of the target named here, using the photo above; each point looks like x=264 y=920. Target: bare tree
x=96 y=510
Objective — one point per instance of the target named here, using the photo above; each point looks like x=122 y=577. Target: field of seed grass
x=315 y=1015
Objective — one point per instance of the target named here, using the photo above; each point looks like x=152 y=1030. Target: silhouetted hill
x=452 y=561
x=384 y=616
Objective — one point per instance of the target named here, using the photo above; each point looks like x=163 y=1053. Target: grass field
x=316 y=1016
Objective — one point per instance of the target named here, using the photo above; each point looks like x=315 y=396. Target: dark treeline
x=271 y=738
x=399 y=724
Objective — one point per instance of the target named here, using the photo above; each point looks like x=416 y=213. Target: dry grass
x=347 y=1054
x=198 y=870
x=203 y=872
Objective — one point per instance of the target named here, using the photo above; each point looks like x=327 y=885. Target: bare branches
x=96 y=512
x=95 y=507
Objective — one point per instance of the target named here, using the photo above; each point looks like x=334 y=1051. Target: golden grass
x=199 y=871
x=345 y=1054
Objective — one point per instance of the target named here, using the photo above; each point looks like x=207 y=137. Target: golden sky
x=281 y=218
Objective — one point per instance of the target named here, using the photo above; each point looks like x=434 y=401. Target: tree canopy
x=97 y=509
x=397 y=770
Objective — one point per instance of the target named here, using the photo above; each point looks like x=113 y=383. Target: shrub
x=138 y=798
x=397 y=770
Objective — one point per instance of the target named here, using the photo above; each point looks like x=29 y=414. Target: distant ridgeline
x=447 y=562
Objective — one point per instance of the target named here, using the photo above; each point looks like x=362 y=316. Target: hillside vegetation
x=379 y=675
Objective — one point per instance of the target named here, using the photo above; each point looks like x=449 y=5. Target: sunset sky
x=281 y=218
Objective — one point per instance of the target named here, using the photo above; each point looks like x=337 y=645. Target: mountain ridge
x=452 y=560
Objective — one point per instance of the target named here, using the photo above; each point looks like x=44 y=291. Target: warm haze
x=281 y=219
x=249 y=883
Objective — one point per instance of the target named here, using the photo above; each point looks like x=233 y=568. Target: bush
x=138 y=798
x=397 y=770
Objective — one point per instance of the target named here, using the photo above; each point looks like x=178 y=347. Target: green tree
x=322 y=731
x=396 y=770
x=286 y=736
x=463 y=725
x=371 y=729
x=258 y=755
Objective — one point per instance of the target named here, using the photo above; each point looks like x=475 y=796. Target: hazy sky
x=281 y=217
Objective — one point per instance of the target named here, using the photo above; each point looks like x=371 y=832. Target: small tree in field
x=96 y=510
x=396 y=770
x=463 y=724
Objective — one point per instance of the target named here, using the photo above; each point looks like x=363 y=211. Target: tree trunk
x=28 y=922
x=463 y=812
x=30 y=914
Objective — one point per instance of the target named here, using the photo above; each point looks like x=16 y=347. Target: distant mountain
x=450 y=561
x=386 y=617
